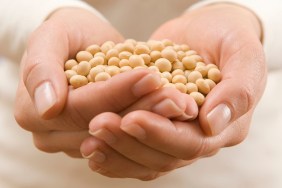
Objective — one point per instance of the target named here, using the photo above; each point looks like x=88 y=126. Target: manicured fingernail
x=147 y=84
x=105 y=135
x=218 y=119
x=45 y=97
x=134 y=130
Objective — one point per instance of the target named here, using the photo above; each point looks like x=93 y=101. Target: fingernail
x=134 y=130
x=147 y=84
x=170 y=109
x=98 y=157
x=104 y=135
x=218 y=119
x=45 y=97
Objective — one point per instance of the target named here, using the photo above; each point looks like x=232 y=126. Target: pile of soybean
x=178 y=65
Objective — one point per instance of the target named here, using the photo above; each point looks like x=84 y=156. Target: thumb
x=43 y=72
x=60 y=37
x=242 y=85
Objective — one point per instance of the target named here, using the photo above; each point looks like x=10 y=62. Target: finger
x=167 y=102
x=243 y=80
x=56 y=141
x=73 y=153
x=106 y=127
x=183 y=140
x=113 y=95
x=111 y=161
x=43 y=72
x=47 y=92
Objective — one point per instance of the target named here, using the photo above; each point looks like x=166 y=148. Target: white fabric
x=256 y=163
x=19 y=18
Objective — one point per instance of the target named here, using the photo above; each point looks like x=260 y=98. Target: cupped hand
x=145 y=145
x=57 y=115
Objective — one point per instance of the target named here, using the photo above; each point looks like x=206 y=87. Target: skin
x=64 y=126
x=168 y=141
x=146 y=145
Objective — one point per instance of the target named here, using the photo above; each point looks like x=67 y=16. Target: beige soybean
x=167 y=42
x=70 y=63
x=191 y=87
x=181 y=55
x=163 y=64
x=193 y=76
x=78 y=81
x=177 y=48
x=131 y=41
x=181 y=87
x=202 y=69
x=179 y=79
x=105 y=47
x=70 y=73
x=89 y=78
x=141 y=49
x=177 y=72
x=198 y=97
x=102 y=76
x=124 y=55
x=83 y=68
x=189 y=62
x=113 y=61
x=169 y=54
x=123 y=62
x=83 y=56
x=209 y=66
x=101 y=54
x=125 y=68
x=214 y=74
x=146 y=58
x=74 y=68
x=191 y=52
x=112 y=70
x=211 y=83
x=186 y=73
x=99 y=60
x=154 y=68
x=155 y=55
x=178 y=65
x=185 y=47
x=112 y=53
x=203 y=86
x=156 y=45
x=166 y=75
x=94 y=71
x=196 y=57
x=93 y=49
x=136 y=60
x=126 y=47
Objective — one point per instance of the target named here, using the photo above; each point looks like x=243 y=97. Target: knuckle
x=201 y=147
x=248 y=94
